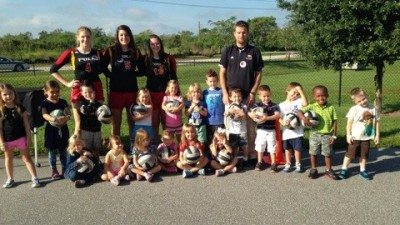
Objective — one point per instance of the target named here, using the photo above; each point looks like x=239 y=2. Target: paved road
x=247 y=197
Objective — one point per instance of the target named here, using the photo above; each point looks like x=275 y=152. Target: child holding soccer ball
x=116 y=162
x=167 y=153
x=172 y=104
x=220 y=143
x=196 y=110
x=362 y=127
x=323 y=135
x=142 y=148
x=189 y=141
x=292 y=137
x=265 y=113
x=55 y=137
x=143 y=117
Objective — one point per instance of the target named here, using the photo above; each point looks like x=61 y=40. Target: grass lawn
x=277 y=75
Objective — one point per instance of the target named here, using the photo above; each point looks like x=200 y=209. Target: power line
x=206 y=6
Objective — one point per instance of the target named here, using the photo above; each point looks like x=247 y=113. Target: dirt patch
x=393 y=114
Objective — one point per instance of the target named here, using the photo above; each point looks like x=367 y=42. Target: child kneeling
x=227 y=164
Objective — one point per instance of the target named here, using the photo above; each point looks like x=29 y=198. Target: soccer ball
x=171 y=105
x=294 y=121
x=103 y=114
x=191 y=154
x=233 y=111
x=84 y=165
x=224 y=157
x=259 y=111
x=138 y=109
x=57 y=113
x=313 y=117
x=146 y=161
x=164 y=153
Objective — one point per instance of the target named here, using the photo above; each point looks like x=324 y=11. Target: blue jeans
x=53 y=158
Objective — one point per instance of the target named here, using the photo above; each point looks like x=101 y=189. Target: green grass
x=277 y=75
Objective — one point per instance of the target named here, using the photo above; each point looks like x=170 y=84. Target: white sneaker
x=9 y=183
x=298 y=168
x=35 y=183
x=219 y=172
x=286 y=168
x=202 y=172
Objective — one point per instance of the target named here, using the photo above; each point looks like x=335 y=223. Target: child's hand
x=307 y=122
x=349 y=139
x=87 y=153
x=74 y=84
x=2 y=147
x=376 y=140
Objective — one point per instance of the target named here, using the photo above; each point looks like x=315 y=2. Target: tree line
x=46 y=47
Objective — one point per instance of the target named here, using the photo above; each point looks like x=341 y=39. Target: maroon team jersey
x=86 y=66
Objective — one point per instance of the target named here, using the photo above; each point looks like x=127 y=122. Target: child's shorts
x=359 y=149
x=320 y=143
x=201 y=133
x=121 y=100
x=92 y=141
x=293 y=144
x=21 y=144
x=265 y=139
x=237 y=140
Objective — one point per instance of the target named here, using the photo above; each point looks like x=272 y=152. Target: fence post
x=34 y=69
x=340 y=87
x=194 y=61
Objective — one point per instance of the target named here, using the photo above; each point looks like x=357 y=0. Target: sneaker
x=115 y=181
x=343 y=174
x=202 y=172
x=127 y=177
x=219 y=172
x=365 y=175
x=286 y=168
x=80 y=183
x=55 y=175
x=187 y=173
x=330 y=174
x=9 y=183
x=139 y=177
x=148 y=176
x=313 y=173
x=259 y=166
x=234 y=170
x=298 y=168
x=35 y=183
x=274 y=168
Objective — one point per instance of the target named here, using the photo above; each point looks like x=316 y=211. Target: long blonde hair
x=171 y=82
x=185 y=128
x=72 y=141
x=140 y=137
x=143 y=91
x=192 y=88
x=8 y=87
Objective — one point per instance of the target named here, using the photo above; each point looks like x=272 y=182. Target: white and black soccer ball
x=57 y=113
x=259 y=111
x=103 y=114
x=164 y=153
x=233 y=109
x=192 y=155
x=294 y=121
x=224 y=157
x=138 y=109
x=171 y=104
x=313 y=117
x=84 y=165
x=146 y=161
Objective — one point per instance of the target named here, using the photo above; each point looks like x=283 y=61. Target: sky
x=159 y=16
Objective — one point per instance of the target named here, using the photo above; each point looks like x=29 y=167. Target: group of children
x=214 y=134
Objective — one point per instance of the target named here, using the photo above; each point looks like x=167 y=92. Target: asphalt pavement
x=247 y=197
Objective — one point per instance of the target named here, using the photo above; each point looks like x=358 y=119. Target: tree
x=262 y=31
x=337 y=31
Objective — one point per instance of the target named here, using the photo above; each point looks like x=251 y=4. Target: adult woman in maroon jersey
x=87 y=64
x=161 y=68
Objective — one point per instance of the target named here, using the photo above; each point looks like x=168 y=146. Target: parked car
x=8 y=64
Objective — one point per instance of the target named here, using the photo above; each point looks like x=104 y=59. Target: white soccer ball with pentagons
x=103 y=114
x=312 y=117
x=138 y=109
x=224 y=157
x=57 y=113
x=292 y=119
x=191 y=155
x=146 y=161
x=258 y=111
x=84 y=165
